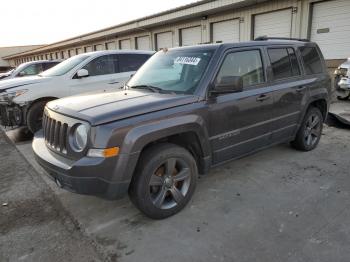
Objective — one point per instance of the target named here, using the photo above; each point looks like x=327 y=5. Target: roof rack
x=265 y=38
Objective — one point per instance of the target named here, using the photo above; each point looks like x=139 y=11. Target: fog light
x=105 y=153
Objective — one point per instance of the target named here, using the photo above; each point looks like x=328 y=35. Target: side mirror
x=82 y=73
x=228 y=84
x=21 y=74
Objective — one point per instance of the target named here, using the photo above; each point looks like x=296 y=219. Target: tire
x=35 y=115
x=343 y=98
x=310 y=131
x=159 y=193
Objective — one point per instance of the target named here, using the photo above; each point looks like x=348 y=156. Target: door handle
x=300 y=88
x=262 y=98
x=113 y=82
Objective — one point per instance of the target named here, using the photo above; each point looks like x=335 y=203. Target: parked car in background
x=22 y=101
x=186 y=110
x=342 y=80
x=29 y=69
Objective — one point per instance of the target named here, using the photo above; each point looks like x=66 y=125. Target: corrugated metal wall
x=245 y=15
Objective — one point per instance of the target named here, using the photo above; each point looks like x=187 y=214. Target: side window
x=284 y=62
x=131 y=62
x=103 y=65
x=246 y=64
x=48 y=65
x=31 y=70
x=312 y=60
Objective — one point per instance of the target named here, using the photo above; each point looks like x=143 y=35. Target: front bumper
x=12 y=115
x=82 y=176
x=344 y=84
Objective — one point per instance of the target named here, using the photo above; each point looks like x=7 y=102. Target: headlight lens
x=80 y=137
x=11 y=95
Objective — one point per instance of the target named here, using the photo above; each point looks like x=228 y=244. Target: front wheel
x=35 y=116
x=164 y=181
x=310 y=131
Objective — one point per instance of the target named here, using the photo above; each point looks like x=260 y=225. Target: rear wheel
x=35 y=116
x=164 y=181
x=310 y=131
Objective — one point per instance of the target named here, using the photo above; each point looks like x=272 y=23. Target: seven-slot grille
x=55 y=133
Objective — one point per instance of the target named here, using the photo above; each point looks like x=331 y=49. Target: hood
x=102 y=108
x=21 y=81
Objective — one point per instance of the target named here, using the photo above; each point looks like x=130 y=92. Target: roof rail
x=265 y=38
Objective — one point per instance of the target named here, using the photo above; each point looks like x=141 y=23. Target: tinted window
x=102 y=65
x=284 y=62
x=246 y=64
x=131 y=62
x=31 y=70
x=312 y=60
x=49 y=65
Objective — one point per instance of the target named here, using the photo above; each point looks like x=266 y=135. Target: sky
x=34 y=22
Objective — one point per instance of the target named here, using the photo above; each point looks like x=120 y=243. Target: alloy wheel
x=170 y=183
x=312 y=130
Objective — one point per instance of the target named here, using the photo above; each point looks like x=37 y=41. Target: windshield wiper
x=148 y=87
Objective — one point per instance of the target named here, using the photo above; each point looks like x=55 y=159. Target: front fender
x=140 y=136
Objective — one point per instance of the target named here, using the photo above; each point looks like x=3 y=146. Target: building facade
x=326 y=22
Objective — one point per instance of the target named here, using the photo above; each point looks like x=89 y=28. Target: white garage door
x=330 y=28
x=111 y=46
x=226 y=31
x=143 y=43
x=88 y=49
x=274 y=24
x=191 y=36
x=164 y=40
x=99 y=47
x=79 y=51
x=125 y=44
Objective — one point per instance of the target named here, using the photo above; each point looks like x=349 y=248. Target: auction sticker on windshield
x=187 y=60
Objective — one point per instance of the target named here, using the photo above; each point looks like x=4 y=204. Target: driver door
x=239 y=123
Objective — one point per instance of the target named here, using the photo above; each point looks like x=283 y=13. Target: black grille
x=56 y=134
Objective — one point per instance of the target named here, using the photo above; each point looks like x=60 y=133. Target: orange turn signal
x=110 y=152
x=107 y=152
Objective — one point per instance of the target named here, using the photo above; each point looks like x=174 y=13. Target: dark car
x=185 y=110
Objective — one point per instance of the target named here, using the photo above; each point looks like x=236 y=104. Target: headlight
x=80 y=137
x=8 y=96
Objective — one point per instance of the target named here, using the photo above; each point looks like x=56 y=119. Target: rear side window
x=49 y=65
x=284 y=63
x=312 y=60
x=131 y=62
x=246 y=64
x=103 y=65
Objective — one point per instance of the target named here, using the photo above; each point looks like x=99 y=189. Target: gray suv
x=185 y=110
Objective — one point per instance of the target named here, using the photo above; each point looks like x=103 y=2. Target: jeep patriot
x=185 y=110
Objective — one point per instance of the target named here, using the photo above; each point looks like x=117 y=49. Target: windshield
x=65 y=66
x=178 y=71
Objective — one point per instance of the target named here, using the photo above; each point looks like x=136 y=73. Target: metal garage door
x=274 y=24
x=226 y=31
x=111 y=46
x=88 y=49
x=143 y=43
x=79 y=51
x=330 y=28
x=125 y=44
x=191 y=36
x=164 y=40
x=99 y=47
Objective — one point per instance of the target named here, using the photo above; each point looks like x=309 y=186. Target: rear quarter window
x=312 y=60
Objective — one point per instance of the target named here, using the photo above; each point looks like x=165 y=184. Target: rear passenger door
x=290 y=91
x=240 y=123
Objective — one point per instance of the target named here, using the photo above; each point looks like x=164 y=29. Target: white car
x=22 y=100
x=29 y=69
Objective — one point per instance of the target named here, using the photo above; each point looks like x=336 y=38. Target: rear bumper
x=82 y=176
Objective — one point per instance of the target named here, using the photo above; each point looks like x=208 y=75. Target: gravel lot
x=276 y=205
